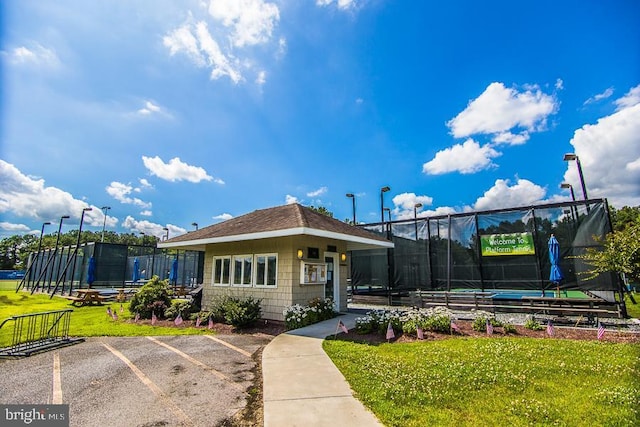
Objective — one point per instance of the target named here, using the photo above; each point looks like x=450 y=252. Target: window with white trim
x=221 y=270
x=266 y=269
x=242 y=269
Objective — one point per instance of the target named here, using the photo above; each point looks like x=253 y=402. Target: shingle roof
x=292 y=219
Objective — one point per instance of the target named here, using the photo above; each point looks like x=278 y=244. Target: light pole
x=104 y=224
x=55 y=251
x=353 y=204
x=569 y=157
x=73 y=267
x=195 y=224
x=166 y=236
x=415 y=217
x=573 y=197
x=382 y=191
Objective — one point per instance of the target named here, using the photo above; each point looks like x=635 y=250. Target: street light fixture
x=382 y=191
x=570 y=157
x=104 y=224
x=166 y=236
x=415 y=217
x=195 y=224
x=388 y=211
x=570 y=187
x=353 y=204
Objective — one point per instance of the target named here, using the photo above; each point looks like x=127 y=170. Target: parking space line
x=198 y=363
x=231 y=346
x=56 y=398
x=152 y=386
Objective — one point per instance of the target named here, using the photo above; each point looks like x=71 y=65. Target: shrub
x=217 y=308
x=242 y=313
x=152 y=297
x=181 y=307
x=480 y=322
x=509 y=328
x=318 y=309
x=533 y=324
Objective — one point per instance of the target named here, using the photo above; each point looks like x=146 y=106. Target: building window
x=221 y=270
x=266 y=270
x=242 y=270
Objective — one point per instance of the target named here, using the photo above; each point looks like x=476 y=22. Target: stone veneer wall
x=288 y=290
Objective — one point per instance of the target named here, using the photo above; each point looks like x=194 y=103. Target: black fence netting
x=506 y=249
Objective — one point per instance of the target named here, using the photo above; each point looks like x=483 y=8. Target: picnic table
x=86 y=297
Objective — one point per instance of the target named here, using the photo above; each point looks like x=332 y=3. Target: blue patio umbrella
x=91 y=271
x=173 y=274
x=555 y=275
x=136 y=270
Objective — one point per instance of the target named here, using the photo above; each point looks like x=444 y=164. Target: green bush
x=179 y=306
x=217 y=308
x=242 y=313
x=153 y=297
x=480 y=322
x=533 y=324
x=318 y=309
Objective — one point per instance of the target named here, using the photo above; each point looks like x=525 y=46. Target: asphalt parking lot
x=139 y=381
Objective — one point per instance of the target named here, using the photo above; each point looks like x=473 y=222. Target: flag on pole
x=550 y=330
x=600 y=330
x=135 y=319
x=489 y=328
x=390 y=333
x=114 y=315
x=342 y=327
x=454 y=327
x=178 y=320
x=109 y=311
x=154 y=319
x=198 y=322
x=210 y=325
x=121 y=309
x=420 y=333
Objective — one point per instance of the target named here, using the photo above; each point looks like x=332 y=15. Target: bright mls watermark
x=34 y=415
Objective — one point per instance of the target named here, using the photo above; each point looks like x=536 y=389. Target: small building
x=283 y=256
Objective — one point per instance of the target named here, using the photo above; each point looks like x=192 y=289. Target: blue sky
x=175 y=112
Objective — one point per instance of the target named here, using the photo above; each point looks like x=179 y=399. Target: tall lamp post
x=382 y=191
x=73 y=267
x=415 y=217
x=55 y=251
x=573 y=196
x=353 y=205
x=104 y=224
x=569 y=157
x=195 y=224
x=166 y=236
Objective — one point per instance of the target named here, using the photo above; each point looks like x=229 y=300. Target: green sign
x=507 y=244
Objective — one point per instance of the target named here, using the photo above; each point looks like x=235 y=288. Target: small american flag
x=600 y=330
x=550 y=330
x=489 y=328
x=420 y=333
x=390 y=333
x=121 y=309
x=454 y=326
x=114 y=315
x=178 y=320
x=198 y=322
x=154 y=318
x=342 y=327
x=210 y=325
x=135 y=319
x=109 y=311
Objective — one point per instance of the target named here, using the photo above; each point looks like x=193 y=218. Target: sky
x=191 y=111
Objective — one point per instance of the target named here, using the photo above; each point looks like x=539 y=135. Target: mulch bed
x=466 y=330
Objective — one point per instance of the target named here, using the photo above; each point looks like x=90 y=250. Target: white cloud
x=342 y=4
x=251 y=21
x=37 y=55
x=223 y=217
x=146 y=213
x=501 y=195
x=144 y=183
x=176 y=170
x=604 y=95
x=261 y=78
x=511 y=139
x=559 y=84
x=319 y=192
x=609 y=151
x=152 y=109
x=121 y=192
x=467 y=158
x=152 y=229
x=630 y=99
x=499 y=109
x=8 y=226
x=27 y=197
x=404 y=204
x=289 y=199
x=219 y=39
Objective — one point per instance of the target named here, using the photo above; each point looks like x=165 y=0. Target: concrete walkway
x=302 y=387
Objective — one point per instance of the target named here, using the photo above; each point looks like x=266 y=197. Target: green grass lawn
x=633 y=310
x=494 y=381
x=88 y=321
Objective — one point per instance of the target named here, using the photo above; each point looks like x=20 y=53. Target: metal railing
x=37 y=332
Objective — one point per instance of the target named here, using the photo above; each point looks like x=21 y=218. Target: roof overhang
x=354 y=243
